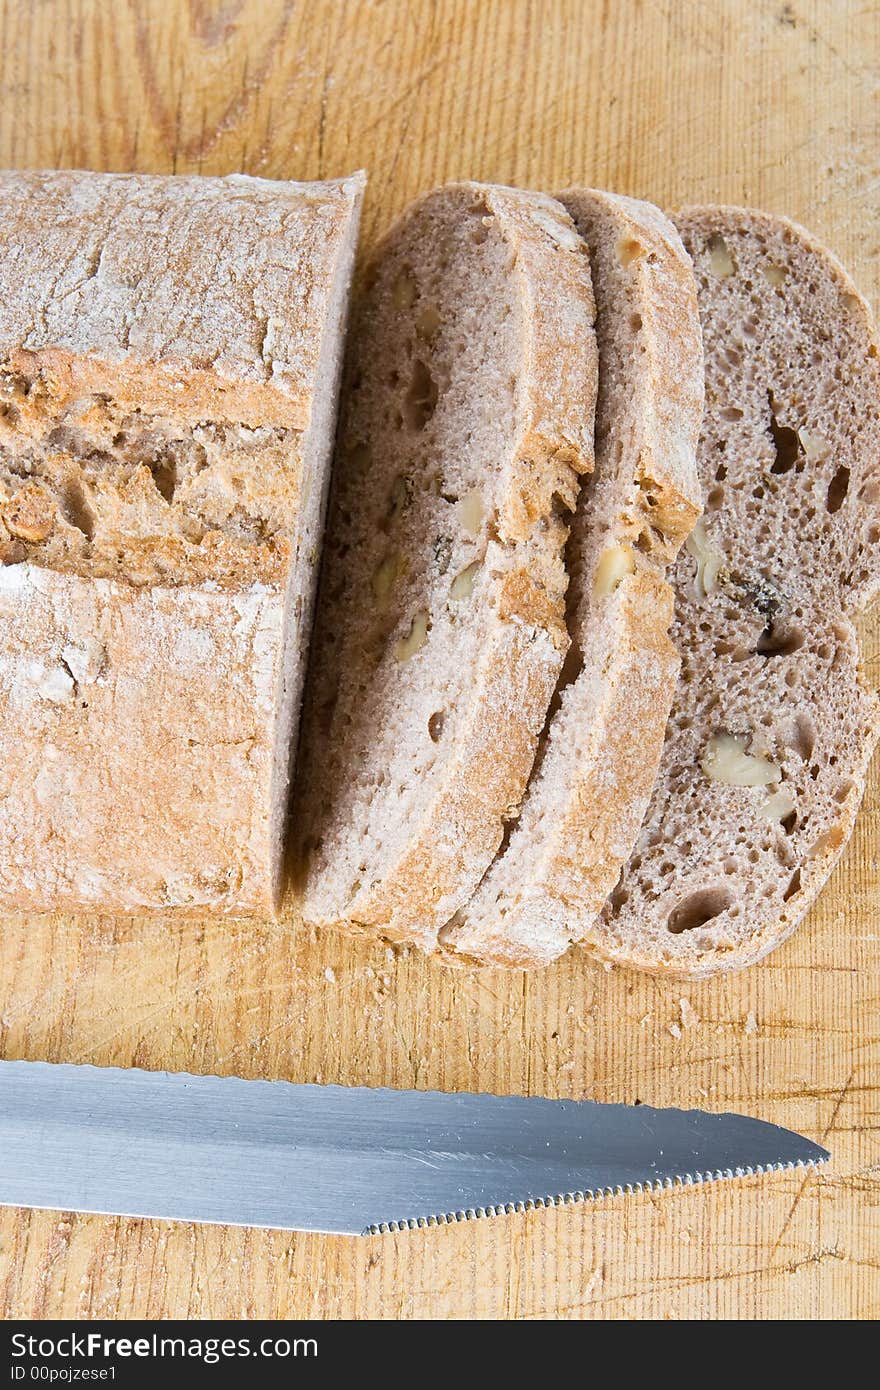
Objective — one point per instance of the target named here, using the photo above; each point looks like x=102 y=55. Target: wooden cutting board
x=679 y=100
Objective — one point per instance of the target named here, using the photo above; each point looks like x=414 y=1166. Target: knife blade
x=348 y=1160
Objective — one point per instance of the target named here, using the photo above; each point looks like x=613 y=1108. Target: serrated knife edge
x=566 y=1199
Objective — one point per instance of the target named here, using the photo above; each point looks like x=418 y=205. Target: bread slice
x=767 y=749
x=588 y=794
x=441 y=628
x=169 y=352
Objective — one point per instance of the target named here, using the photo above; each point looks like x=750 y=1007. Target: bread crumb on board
x=689 y=1017
x=751 y=1023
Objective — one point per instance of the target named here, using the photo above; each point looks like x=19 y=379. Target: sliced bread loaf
x=772 y=730
x=169 y=354
x=589 y=790
x=441 y=632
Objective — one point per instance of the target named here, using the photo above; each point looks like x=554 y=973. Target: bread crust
x=837 y=715
x=586 y=800
x=453 y=836
x=128 y=784
x=188 y=291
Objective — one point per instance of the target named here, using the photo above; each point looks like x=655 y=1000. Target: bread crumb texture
x=168 y=353
x=772 y=727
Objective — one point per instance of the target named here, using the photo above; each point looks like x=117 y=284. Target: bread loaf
x=773 y=727
x=169 y=352
x=441 y=632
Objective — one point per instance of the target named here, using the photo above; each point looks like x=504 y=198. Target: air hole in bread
x=67 y=439
x=715 y=498
x=697 y=909
x=404 y=291
x=786 y=443
x=720 y=473
x=76 y=510
x=645 y=541
x=779 y=640
x=560 y=506
x=164 y=472
x=870 y=491
x=799 y=734
x=720 y=260
x=774 y=274
x=420 y=400
x=619 y=897
x=837 y=490
x=435 y=725
x=629 y=249
x=635 y=322
x=731 y=412
x=794 y=886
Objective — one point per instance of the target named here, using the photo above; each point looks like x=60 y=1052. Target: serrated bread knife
x=344 y=1159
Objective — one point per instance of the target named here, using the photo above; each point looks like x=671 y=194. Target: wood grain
x=678 y=100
